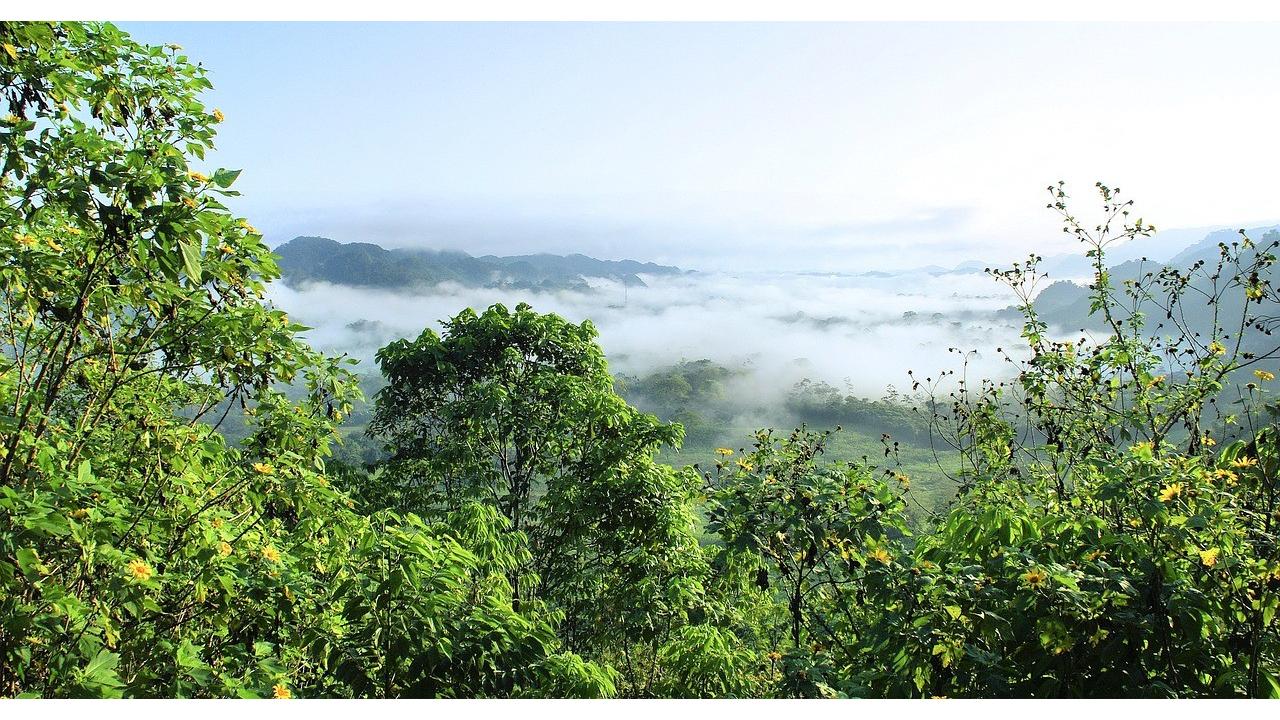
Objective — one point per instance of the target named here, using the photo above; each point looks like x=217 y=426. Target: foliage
x=140 y=554
x=812 y=534
x=517 y=410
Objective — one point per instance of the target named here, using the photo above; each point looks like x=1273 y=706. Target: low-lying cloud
x=859 y=332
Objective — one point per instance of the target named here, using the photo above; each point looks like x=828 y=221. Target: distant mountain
x=1066 y=304
x=1167 y=246
x=318 y=259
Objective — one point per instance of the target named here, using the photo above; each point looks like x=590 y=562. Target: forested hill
x=311 y=259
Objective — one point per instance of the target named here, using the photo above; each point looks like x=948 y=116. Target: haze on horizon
x=788 y=146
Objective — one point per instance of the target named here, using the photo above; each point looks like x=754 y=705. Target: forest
x=185 y=510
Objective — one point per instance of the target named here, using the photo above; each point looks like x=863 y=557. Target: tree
x=813 y=535
x=517 y=410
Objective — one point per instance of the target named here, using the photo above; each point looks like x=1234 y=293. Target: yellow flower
x=1209 y=557
x=774 y=656
x=189 y=202
x=74 y=230
x=1224 y=474
x=224 y=548
x=1155 y=381
x=1208 y=441
x=11 y=51
x=745 y=465
x=24 y=240
x=270 y=554
x=1244 y=462
x=1035 y=577
x=723 y=451
x=1264 y=376
x=263 y=469
x=245 y=224
x=217 y=523
x=281 y=692
x=218 y=116
x=53 y=245
x=225 y=249
x=1217 y=348
x=1171 y=492
x=881 y=555
x=139 y=570
x=198 y=176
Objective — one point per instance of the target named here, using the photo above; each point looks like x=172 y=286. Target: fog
x=859 y=332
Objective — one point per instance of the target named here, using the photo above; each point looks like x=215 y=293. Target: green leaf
x=223 y=178
x=190 y=260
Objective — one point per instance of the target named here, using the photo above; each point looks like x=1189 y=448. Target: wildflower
x=1217 y=348
x=24 y=240
x=745 y=465
x=1209 y=557
x=774 y=656
x=1171 y=492
x=281 y=692
x=1264 y=376
x=1035 y=577
x=1254 y=292
x=245 y=224
x=189 y=202
x=903 y=478
x=881 y=555
x=225 y=249
x=217 y=523
x=53 y=245
x=1208 y=441
x=270 y=554
x=198 y=176
x=224 y=548
x=1155 y=381
x=263 y=469
x=74 y=230
x=218 y=116
x=1244 y=462
x=723 y=451
x=1135 y=523
x=1224 y=474
x=139 y=570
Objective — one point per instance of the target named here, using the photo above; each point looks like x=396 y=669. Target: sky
x=844 y=147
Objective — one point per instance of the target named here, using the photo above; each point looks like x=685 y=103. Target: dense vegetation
x=1112 y=532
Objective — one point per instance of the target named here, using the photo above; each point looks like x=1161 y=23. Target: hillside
x=317 y=259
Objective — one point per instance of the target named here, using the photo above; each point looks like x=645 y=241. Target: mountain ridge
x=309 y=258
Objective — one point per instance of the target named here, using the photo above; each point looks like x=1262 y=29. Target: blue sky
x=796 y=146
